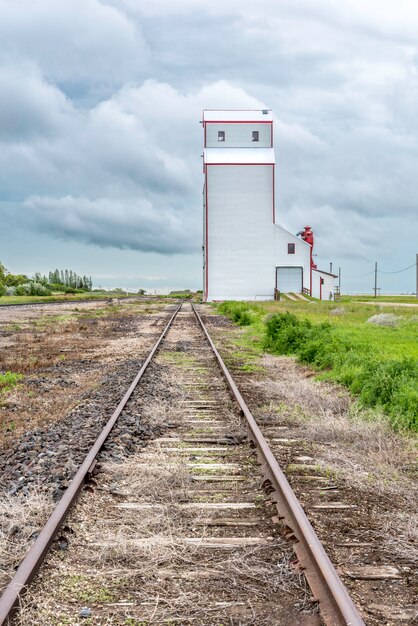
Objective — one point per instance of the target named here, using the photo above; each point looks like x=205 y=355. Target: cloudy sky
x=100 y=141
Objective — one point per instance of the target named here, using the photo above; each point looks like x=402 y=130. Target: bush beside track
x=364 y=358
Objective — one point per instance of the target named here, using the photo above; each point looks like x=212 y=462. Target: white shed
x=246 y=255
x=323 y=284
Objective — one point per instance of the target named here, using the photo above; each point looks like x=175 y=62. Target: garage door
x=289 y=279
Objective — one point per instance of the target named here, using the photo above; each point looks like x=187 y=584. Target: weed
x=13 y=327
x=241 y=313
x=8 y=381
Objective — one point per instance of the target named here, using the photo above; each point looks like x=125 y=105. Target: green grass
x=8 y=380
x=412 y=299
x=378 y=364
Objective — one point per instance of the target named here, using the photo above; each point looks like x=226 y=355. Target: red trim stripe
x=240 y=164
x=206 y=237
x=274 y=198
x=239 y=122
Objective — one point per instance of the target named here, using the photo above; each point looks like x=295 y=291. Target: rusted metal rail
x=336 y=606
x=33 y=559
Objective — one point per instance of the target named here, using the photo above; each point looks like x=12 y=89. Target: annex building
x=246 y=254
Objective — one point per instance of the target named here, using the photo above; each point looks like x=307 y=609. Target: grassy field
x=378 y=363
x=60 y=298
x=406 y=299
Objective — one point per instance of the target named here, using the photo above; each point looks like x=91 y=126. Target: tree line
x=68 y=278
x=66 y=281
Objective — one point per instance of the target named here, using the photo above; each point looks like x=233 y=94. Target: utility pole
x=375 y=279
x=416 y=286
x=330 y=268
x=339 y=279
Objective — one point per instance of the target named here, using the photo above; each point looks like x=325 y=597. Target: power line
x=382 y=272
x=397 y=271
x=362 y=276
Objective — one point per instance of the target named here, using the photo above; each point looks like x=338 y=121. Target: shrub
x=2 y=289
x=38 y=289
x=392 y=385
x=384 y=319
x=10 y=291
x=23 y=290
x=241 y=313
x=314 y=344
x=285 y=333
x=32 y=289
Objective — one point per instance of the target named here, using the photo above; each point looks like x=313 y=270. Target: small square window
x=256 y=135
x=290 y=248
x=221 y=135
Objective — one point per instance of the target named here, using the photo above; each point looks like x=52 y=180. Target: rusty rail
x=336 y=606
x=33 y=559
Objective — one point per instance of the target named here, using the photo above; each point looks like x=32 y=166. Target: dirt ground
x=76 y=363
x=355 y=478
x=64 y=352
x=177 y=531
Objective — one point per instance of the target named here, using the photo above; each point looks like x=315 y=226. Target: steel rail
x=336 y=606
x=34 y=557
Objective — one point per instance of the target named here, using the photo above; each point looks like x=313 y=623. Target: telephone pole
x=375 y=279
x=416 y=286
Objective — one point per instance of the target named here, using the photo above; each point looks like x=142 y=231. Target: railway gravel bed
x=64 y=357
x=179 y=523
x=48 y=457
x=179 y=530
x=36 y=465
x=355 y=479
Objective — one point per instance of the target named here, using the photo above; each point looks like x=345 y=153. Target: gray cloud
x=79 y=44
x=104 y=222
x=99 y=134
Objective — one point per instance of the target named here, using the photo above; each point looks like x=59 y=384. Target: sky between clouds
x=100 y=166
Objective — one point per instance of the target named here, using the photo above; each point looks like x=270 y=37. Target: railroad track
x=209 y=500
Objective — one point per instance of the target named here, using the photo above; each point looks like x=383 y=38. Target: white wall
x=327 y=287
x=238 y=135
x=240 y=232
x=301 y=258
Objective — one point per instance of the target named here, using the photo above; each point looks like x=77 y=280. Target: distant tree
x=67 y=279
x=141 y=292
x=40 y=278
x=13 y=280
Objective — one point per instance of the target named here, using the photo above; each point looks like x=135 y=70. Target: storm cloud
x=100 y=103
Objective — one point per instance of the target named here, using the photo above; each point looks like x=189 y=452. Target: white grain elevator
x=246 y=254
x=238 y=204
